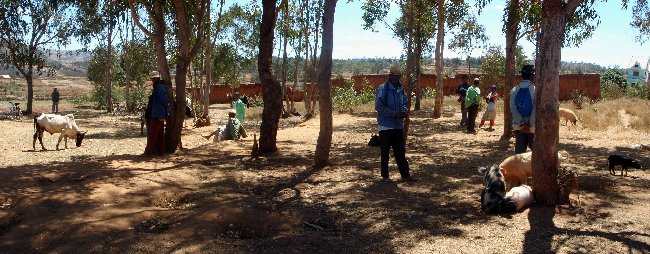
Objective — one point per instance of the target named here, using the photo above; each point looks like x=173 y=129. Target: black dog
x=621 y=160
x=492 y=195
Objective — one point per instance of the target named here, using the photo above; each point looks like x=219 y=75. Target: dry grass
x=626 y=112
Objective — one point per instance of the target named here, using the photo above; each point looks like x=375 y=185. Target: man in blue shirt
x=390 y=104
x=156 y=113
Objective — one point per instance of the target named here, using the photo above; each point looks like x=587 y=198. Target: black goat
x=492 y=195
x=621 y=160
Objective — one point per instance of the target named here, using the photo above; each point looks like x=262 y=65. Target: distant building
x=636 y=75
x=5 y=77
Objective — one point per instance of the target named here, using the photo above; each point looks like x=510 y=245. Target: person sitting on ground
x=491 y=111
x=233 y=130
x=472 y=101
x=522 y=106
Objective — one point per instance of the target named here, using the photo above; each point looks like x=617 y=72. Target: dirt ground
x=103 y=197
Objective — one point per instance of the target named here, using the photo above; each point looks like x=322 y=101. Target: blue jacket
x=159 y=102
x=389 y=102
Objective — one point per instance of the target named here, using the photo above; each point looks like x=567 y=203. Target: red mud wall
x=589 y=84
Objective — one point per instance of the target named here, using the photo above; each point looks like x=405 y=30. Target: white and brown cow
x=53 y=123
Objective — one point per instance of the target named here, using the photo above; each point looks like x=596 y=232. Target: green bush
x=345 y=98
x=639 y=91
x=428 y=93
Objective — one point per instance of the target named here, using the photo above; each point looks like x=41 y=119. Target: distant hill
x=65 y=62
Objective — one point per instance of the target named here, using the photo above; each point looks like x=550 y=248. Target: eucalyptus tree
x=28 y=30
x=187 y=25
x=324 y=142
x=414 y=27
x=468 y=37
x=449 y=17
x=271 y=89
x=97 y=20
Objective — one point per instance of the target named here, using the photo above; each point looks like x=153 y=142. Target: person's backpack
x=524 y=102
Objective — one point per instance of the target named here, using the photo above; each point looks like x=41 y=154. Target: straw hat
x=395 y=70
x=155 y=74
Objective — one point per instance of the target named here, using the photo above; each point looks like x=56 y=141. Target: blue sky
x=613 y=42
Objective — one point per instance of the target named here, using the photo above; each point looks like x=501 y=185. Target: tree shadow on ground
x=539 y=239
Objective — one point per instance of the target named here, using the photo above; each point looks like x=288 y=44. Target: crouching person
x=233 y=130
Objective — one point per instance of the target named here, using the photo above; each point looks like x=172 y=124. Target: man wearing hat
x=156 y=113
x=472 y=101
x=522 y=107
x=390 y=104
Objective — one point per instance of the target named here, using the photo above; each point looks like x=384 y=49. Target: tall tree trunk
x=29 y=78
x=314 y=61
x=271 y=90
x=512 y=32
x=440 y=44
x=324 y=142
x=285 y=41
x=109 y=71
x=418 y=88
x=545 y=160
x=410 y=57
x=207 y=67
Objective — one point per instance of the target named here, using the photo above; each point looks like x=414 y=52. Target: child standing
x=491 y=111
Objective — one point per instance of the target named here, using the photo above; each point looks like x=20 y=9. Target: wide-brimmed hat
x=395 y=70
x=155 y=74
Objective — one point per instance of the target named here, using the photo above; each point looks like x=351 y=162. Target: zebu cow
x=52 y=123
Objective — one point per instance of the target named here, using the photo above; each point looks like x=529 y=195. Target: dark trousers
x=523 y=141
x=463 y=113
x=55 y=107
x=393 y=138
x=472 y=112
x=155 y=137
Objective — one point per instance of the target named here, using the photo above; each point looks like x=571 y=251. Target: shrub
x=345 y=98
x=578 y=98
x=428 y=93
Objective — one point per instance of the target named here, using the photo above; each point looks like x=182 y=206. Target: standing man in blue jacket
x=390 y=104
x=156 y=113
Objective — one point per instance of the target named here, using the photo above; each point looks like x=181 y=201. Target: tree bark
x=29 y=78
x=285 y=41
x=544 y=159
x=440 y=44
x=512 y=32
x=271 y=89
x=109 y=71
x=410 y=56
x=324 y=142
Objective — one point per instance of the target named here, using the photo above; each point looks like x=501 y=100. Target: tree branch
x=136 y=19
x=571 y=6
x=200 y=35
